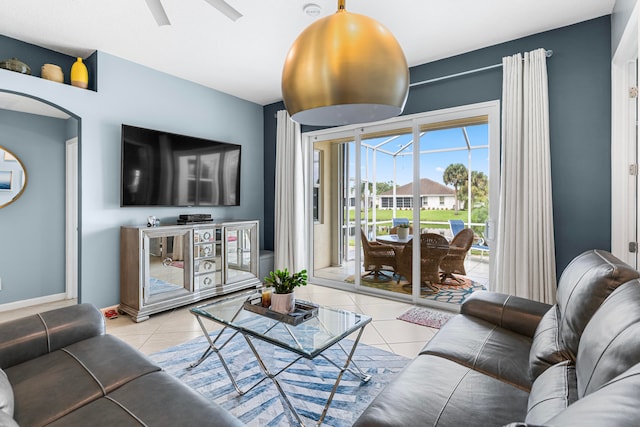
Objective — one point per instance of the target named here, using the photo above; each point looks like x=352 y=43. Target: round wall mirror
x=13 y=177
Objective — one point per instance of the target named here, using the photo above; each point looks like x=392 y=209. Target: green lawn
x=444 y=216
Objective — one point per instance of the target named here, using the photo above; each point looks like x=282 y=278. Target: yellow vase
x=79 y=74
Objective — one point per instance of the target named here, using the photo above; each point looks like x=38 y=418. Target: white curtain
x=290 y=250
x=525 y=255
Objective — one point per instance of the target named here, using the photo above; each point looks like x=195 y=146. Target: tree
x=455 y=174
x=381 y=187
x=479 y=189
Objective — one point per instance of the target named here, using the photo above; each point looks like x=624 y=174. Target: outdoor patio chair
x=433 y=247
x=456 y=226
x=453 y=262
x=377 y=257
x=480 y=246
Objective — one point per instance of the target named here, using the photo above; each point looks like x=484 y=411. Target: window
x=404 y=202
x=441 y=200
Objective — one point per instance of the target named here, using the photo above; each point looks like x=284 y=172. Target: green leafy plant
x=403 y=225
x=284 y=282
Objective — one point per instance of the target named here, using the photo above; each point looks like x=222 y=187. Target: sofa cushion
x=610 y=343
x=552 y=392
x=546 y=349
x=155 y=399
x=585 y=283
x=6 y=395
x=100 y=354
x=51 y=386
x=27 y=338
x=433 y=391
x=615 y=404
x=481 y=346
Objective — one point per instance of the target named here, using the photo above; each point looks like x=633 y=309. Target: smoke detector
x=312 y=9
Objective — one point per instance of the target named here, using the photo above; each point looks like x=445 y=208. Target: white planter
x=283 y=303
x=403 y=233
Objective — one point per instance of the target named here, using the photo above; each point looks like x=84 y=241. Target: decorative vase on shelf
x=52 y=72
x=16 y=65
x=79 y=74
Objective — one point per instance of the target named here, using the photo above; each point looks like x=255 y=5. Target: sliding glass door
x=381 y=192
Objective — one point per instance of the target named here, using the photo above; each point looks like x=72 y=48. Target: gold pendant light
x=345 y=68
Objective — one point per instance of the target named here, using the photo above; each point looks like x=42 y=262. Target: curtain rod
x=549 y=54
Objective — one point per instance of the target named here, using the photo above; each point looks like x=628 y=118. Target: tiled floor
x=385 y=331
x=176 y=326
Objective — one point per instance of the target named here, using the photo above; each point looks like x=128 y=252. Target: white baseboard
x=33 y=301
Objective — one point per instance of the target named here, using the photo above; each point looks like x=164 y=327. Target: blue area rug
x=307 y=383
x=450 y=292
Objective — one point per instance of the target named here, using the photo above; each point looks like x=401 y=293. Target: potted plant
x=283 y=282
x=403 y=231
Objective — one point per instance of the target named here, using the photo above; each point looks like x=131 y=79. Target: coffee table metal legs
x=363 y=377
x=213 y=348
x=273 y=378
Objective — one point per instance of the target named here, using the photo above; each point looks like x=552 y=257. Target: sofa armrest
x=32 y=336
x=514 y=313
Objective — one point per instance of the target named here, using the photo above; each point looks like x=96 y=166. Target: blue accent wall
x=137 y=95
x=580 y=124
x=32 y=252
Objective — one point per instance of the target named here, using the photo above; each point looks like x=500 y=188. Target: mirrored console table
x=170 y=266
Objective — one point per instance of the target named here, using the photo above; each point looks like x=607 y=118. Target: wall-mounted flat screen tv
x=166 y=169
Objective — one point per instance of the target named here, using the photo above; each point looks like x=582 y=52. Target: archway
x=52 y=237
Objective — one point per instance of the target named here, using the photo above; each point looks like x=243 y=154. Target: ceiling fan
x=159 y=14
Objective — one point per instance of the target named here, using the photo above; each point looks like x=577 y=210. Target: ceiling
x=23 y=104
x=245 y=58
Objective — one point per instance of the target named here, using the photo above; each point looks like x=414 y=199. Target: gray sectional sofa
x=510 y=361
x=503 y=361
x=59 y=368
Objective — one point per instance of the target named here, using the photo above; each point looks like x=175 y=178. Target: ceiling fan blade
x=224 y=8
x=156 y=9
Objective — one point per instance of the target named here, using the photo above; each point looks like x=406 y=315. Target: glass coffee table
x=308 y=339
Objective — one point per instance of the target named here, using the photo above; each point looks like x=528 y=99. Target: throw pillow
x=6 y=395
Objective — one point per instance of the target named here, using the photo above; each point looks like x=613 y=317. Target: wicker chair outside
x=377 y=257
x=433 y=247
x=454 y=261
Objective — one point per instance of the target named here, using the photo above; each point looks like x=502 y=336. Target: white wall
x=622 y=11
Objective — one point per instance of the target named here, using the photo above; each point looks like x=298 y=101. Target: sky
x=432 y=165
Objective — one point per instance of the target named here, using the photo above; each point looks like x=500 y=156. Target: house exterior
x=433 y=195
